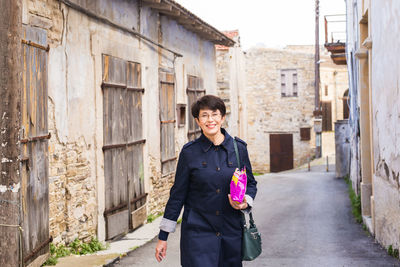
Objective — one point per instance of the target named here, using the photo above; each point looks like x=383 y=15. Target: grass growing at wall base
x=355 y=201
x=393 y=252
x=77 y=247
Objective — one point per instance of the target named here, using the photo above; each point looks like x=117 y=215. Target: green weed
x=152 y=217
x=355 y=201
x=77 y=247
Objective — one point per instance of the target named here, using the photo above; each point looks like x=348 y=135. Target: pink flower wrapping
x=238 y=185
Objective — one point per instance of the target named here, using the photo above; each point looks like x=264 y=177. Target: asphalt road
x=305 y=220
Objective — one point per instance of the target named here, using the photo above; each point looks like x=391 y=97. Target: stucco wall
x=385 y=71
x=269 y=112
x=76 y=101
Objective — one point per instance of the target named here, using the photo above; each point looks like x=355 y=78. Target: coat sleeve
x=177 y=195
x=251 y=190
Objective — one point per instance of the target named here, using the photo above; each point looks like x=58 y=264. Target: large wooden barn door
x=123 y=144
x=281 y=152
x=167 y=121
x=34 y=147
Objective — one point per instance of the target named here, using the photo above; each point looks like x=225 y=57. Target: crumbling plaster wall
x=77 y=44
x=386 y=119
x=198 y=60
x=269 y=112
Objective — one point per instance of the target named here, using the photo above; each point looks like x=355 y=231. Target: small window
x=305 y=134
x=289 y=83
x=326 y=90
x=181 y=110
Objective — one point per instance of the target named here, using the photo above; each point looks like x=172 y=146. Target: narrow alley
x=305 y=220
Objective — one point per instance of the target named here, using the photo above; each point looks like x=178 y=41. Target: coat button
x=218 y=191
x=217 y=212
x=218 y=168
x=218 y=233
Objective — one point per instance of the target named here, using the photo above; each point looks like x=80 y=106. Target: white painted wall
x=385 y=84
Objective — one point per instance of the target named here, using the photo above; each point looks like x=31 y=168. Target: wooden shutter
x=167 y=122
x=289 y=84
x=123 y=143
x=34 y=144
x=194 y=91
x=305 y=134
x=326 y=116
x=346 y=105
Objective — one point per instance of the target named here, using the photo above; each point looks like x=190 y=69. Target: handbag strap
x=236 y=152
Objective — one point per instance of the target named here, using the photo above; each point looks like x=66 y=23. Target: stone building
x=231 y=83
x=372 y=59
x=280 y=102
x=121 y=77
x=334 y=99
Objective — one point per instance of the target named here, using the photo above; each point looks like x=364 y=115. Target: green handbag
x=251 y=243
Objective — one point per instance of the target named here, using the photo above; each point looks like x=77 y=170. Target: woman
x=211 y=231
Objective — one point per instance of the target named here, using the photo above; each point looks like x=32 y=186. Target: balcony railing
x=335 y=28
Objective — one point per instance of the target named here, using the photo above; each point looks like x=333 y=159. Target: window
x=167 y=121
x=289 y=82
x=326 y=90
x=194 y=91
x=181 y=110
x=305 y=134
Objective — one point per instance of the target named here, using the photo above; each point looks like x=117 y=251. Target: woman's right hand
x=161 y=250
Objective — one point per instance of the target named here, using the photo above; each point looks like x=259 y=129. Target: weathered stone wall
x=72 y=186
x=231 y=82
x=269 y=112
x=75 y=112
x=72 y=190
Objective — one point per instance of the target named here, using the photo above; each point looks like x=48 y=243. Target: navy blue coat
x=211 y=231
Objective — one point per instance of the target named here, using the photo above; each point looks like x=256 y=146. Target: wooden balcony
x=335 y=38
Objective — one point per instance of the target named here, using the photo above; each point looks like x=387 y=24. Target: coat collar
x=206 y=144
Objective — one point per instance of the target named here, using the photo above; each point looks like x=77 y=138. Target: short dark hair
x=211 y=102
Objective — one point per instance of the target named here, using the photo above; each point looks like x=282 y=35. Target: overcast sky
x=273 y=23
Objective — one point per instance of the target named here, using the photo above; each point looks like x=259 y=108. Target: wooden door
x=281 y=152
x=167 y=122
x=326 y=116
x=123 y=143
x=34 y=147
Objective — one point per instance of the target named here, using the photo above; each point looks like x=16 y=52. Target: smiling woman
x=211 y=230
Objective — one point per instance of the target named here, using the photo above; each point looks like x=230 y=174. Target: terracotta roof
x=231 y=35
x=188 y=20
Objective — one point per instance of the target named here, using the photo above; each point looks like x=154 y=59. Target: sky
x=269 y=23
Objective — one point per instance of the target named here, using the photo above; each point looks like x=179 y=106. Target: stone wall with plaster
x=75 y=113
x=231 y=84
x=385 y=86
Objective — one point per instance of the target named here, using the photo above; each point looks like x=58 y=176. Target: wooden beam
x=158 y=6
x=174 y=13
x=151 y=1
x=10 y=124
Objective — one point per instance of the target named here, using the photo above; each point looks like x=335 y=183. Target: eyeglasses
x=205 y=117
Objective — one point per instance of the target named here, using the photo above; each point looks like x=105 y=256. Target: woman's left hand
x=236 y=205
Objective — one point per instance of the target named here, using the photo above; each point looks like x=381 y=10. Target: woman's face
x=210 y=121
